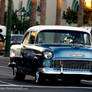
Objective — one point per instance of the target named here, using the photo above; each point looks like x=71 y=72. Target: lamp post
x=22 y=14
x=23 y=20
x=8 y=34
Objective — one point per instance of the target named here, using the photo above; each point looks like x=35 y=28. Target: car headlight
x=46 y=64
x=48 y=54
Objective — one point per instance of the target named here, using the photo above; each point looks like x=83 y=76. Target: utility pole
x=8 y=34
x=80 y=13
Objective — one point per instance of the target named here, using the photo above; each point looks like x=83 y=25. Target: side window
x=32 y=37
x=26 y=38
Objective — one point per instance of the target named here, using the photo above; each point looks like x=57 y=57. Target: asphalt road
x=7 y=83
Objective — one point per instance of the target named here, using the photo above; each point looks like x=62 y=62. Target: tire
x=38 y=78
x=17 y=75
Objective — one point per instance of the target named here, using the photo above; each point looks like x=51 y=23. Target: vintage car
x=16 y=38
x=53 y=52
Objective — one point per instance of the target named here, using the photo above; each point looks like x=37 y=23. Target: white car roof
x=56 y=27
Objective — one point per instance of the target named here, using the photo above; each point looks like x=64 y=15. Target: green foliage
x=15 y=21
x=26 y=24
x=70 y=15
x=18 y=24
x=5 y=18
x=87 y=14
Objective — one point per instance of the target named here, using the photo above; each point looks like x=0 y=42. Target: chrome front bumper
x=47 y=70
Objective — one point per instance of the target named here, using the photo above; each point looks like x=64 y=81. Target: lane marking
x=12 y=85
x=4 y=67
x=6 y=83
x=50 y=87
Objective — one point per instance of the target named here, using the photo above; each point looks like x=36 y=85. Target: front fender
x=15 y=51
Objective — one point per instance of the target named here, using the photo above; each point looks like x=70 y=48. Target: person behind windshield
x=68 y=40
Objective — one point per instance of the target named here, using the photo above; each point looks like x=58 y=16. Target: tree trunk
x=80 y=13
x=33 y=13
x=43 y=12
x=2 y=10
x=58 y=12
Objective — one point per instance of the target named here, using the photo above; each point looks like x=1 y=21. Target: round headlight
x=48 y=54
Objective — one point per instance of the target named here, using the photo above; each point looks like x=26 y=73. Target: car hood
x=71 y=51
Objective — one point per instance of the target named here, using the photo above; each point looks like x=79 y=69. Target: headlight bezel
x=48 y=54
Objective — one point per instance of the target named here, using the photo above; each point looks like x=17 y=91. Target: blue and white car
x=53 y=52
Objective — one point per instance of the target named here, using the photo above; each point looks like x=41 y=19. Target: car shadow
x=57 y=83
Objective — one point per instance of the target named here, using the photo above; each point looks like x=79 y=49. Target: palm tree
x=43 y=11
x=33 y=12
x=58 y=12
x=2 y=11
x=80 y=13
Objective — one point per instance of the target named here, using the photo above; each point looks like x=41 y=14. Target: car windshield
x=63 y=37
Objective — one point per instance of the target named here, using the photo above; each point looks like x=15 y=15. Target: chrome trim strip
x=47 y=70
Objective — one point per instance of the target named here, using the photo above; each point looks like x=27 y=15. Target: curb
x=4 y=58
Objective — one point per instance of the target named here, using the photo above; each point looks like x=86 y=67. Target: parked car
x=16 y=38
x=2 y=44
x=46 y=54
x=3 y=30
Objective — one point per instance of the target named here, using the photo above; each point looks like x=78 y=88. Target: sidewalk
x=4 y=58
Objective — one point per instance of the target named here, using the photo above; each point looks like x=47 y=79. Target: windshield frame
x=63 y=31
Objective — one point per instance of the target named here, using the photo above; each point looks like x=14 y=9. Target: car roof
x=56 y=27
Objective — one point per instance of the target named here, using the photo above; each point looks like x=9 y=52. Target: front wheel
x=17 y=75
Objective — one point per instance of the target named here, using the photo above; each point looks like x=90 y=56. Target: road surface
x=7 y=83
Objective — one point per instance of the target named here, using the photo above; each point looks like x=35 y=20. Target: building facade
x=51 y=6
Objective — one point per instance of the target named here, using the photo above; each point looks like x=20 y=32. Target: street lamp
x=8 y=34
x=23 y=20
x=22 y=14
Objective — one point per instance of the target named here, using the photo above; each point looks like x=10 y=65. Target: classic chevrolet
x=53 y=52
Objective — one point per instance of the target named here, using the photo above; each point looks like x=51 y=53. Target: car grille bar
x=72 y=64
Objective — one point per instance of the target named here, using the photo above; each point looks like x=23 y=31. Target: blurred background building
x=21 y=12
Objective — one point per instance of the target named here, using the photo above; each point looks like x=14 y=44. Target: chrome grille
x=73 y=64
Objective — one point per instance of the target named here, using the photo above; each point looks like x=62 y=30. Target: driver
x=68 y=40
